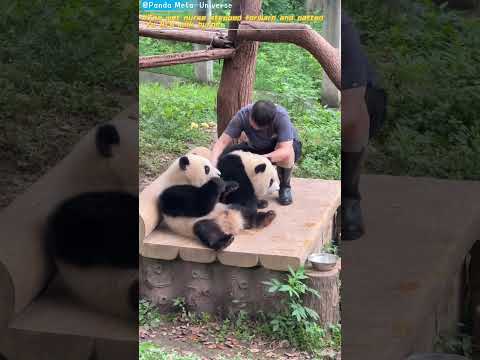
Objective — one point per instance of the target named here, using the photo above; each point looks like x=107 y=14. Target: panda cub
x=93 y=239
x=197 y=212
x=255 y=174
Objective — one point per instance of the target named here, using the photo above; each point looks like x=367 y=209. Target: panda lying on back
x=197 y=211
x=255 y=174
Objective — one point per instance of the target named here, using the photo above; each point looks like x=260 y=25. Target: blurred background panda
x=93 y=235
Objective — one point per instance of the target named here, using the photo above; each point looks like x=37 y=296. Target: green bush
x=429 y=61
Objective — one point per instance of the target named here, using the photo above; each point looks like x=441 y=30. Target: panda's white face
x=261 y=172
x=197 y=169
x=265 y=179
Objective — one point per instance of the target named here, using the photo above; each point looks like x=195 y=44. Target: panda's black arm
x=191 y=201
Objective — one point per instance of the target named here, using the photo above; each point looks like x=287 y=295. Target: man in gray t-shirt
x=269 y=132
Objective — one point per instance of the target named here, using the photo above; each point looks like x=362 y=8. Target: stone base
x=224 y=290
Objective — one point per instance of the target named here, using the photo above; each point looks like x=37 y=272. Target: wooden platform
x=298 y=230
x=401 y=283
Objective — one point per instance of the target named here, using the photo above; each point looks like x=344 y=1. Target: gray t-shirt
x=282 y=129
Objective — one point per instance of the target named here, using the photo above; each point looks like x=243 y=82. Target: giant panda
x=196 y=211
x=254 y=173
x=93 y=236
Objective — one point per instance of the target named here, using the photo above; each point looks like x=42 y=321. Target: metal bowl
x=323 y=261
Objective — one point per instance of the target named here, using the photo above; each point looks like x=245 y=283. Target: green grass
x=429 y=59
x=166 y=117
x=57 y=77
x=151 y=351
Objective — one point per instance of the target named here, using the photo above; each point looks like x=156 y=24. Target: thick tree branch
x=185 y=58
x=299 y=34
x=215 y=39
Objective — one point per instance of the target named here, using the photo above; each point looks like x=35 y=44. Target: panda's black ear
x=184 y=162
x=107 y=135
x=260 y=168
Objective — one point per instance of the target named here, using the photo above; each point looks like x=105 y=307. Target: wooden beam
x=215 y=39
x=299 y=34
x=185 y=58
x=167 y=24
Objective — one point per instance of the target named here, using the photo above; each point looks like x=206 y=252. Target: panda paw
x=224 y=242
x=230 y=186
x=262 y=204
x=265 y=218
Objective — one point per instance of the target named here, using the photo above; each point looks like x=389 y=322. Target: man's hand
x=283 y=153
x=223 y=141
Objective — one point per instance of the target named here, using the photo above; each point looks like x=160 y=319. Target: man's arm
x=223 y=141
x=282 y=152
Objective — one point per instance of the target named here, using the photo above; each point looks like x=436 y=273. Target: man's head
x=263 y=113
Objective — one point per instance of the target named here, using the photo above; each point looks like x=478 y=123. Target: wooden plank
x=189 y=57
x=294 y=234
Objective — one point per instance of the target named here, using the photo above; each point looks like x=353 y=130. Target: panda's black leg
x=211 y=235
x=262 y=204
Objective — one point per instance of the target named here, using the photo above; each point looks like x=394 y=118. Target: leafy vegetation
x=297 y=323
x=61 y=66
x=428 y=57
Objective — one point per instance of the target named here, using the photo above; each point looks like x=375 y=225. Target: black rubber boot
x=285 y=192
x=352 y=219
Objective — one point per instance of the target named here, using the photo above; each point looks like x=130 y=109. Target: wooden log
x=214 y=39
x=167 y=24
x=238 y=73
x=185 y=58
x=299 y=34
x=327 y=283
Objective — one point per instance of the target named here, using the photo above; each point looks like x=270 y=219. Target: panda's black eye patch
x=184 y=162
x=207 y=169
x=106 y=136
x=260 y=168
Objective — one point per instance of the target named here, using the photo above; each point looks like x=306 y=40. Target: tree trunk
x=185 y=58
x=238 y=73
x=327 y=305
x=298 y=34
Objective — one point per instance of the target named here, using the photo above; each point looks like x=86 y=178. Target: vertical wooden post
x=238 y=73
x=204 y=70
x=332 y=29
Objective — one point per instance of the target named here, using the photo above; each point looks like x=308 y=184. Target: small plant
x=297 y=323
x=181 y=307
x=460 y=344
x=330 y=248
x=243 y=327
x=149 y=316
